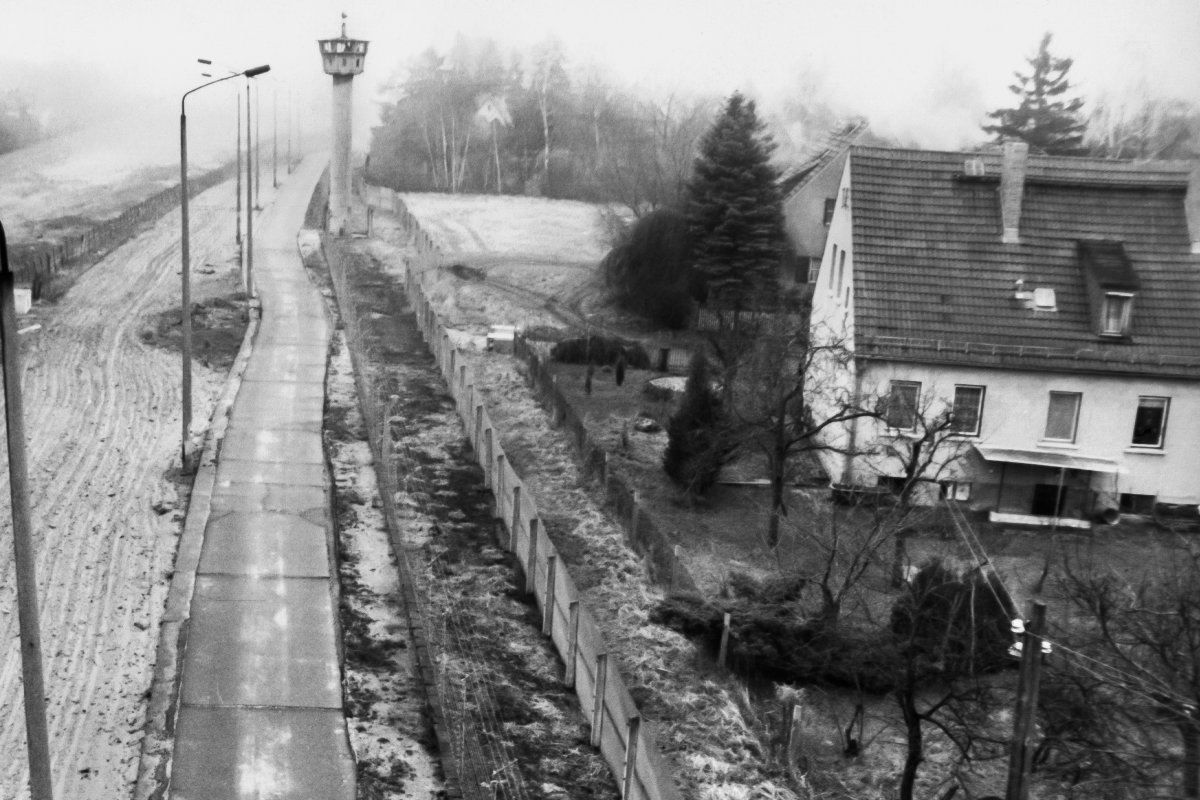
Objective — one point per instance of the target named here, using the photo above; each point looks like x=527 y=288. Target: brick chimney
x=1012 y=189
x=1192 y=207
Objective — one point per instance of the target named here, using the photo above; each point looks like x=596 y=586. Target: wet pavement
x=260 y=713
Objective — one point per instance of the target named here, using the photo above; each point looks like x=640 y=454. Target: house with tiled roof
x=1050 y=306
x=808 y=190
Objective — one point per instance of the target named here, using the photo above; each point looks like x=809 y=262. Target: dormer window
x=1112 y=283
x=1116 y=314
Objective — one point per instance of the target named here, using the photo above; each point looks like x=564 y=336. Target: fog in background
x=922 y=73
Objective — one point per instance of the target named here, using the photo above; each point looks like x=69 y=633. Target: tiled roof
x=934 y=282
x=830 y=147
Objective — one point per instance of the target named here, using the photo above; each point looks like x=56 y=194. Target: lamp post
x=24 y=558
x=184 y=247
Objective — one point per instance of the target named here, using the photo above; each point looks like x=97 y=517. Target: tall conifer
x=734 y=208
x=1047 y=117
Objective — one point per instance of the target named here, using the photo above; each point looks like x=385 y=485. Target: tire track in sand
x=102 y=421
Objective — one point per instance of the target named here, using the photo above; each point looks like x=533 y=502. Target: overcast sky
x=921 y=69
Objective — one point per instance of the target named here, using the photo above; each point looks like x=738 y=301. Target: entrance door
x=1048 y=500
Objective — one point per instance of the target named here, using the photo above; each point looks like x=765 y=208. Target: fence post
x=516 y=520
x=674 y=566
x=499 y=492
x=453 y=358
x=604 y=472
x=462 y=374
x=548 y=604
x=598 y=698
x=664 y=358
x=724 y=642
x=631 y=743
x=572 y=643
x=489 y=464
x=478 y=428
x=633 y=518
x=531 y=573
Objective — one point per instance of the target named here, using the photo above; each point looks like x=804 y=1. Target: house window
x=1118 y=308
x=814 y=269
x=902 y=405
x=1150 y=421
x=830 y=207
x=956 y=490
x=968 y=410
x=1063 y=416
x=841 y=271
x=832 y=264
x=1137 y=503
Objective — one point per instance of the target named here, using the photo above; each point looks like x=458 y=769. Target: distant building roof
x=835 y=143
x=934 y=282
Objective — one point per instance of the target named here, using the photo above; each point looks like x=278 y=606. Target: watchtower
x=343 y=58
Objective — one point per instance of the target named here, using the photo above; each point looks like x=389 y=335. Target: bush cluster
x=600 y=350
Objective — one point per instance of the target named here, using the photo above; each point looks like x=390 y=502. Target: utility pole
x=1020 y=760
x=24 y=558
x=247 y=276
x=289 y=132
x=257 y=145
x=238 y=103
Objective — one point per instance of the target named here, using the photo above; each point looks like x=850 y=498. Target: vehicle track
x=102 y=422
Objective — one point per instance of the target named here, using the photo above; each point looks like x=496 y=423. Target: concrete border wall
x=34 y=263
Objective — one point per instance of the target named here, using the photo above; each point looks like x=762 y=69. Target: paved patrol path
x=260 y=705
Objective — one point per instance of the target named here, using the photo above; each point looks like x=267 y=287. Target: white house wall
x=1014 y=416
x=832 y=327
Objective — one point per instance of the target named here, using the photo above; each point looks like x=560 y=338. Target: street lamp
x=184 y=243
x=24 y=554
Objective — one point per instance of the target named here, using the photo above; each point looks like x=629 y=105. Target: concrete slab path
x=260 y=709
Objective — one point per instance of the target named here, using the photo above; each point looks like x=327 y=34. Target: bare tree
x=1144 y=643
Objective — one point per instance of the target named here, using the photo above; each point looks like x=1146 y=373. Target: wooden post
x=724 y=642
x=572 y=643
x=604 y=472
x=633 y=518
x=516 y=520
x=490 y=459
x=548 y=603
x=1019 y=762
x=598 y=698
x=631 y=743
x=787 y=722
x=531 y=573
x=453 y=359
x=664 y=358
x=674 y=566
x=462 y=374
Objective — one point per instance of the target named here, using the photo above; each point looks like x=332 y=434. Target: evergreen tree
x=697 y=439
x=1047 y=117
x=734 y=207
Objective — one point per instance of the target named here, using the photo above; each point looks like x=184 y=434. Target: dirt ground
x=102 y=403
x=516 y=731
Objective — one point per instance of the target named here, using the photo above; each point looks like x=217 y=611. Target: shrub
x=698 y=440
x=601 y=350
x=649 y=271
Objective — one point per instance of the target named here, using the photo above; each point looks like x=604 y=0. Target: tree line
x=478 y=119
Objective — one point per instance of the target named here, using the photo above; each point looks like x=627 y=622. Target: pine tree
x=734 y=208
x=697 y=443
x=1047 y=118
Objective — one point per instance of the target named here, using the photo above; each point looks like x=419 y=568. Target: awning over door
x=1042 y=458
